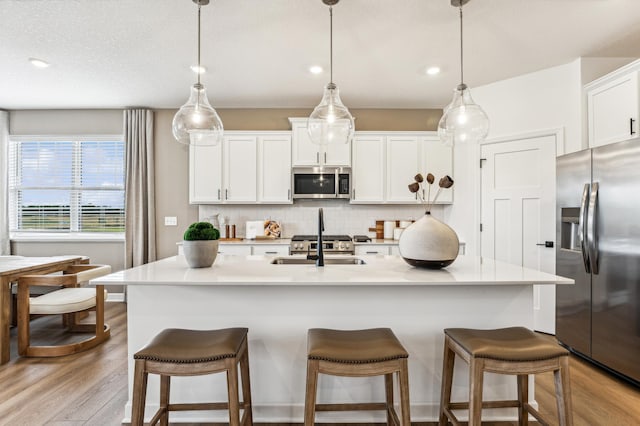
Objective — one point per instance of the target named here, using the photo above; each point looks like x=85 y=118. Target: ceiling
x=118 y=53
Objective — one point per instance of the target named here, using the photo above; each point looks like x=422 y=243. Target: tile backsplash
x=340 y=217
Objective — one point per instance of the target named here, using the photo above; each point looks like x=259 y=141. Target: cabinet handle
x=226 y=194
x=218 y=193
x=289 y=194
x=373 y=252
x=353 y=194
x=317 y=157
x=631 y=122
x=270 y=252
x=325 y=157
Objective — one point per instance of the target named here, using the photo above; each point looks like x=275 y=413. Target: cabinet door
x=205 y=174
x=437 y=159
x=403 y=163
x=274 y=169
x=337 y=155
x=371 y=249
x=240 y=169
x=368 y=172
x=613 y=110
x=304 y=152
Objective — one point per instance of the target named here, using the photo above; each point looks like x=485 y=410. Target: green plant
x=201 y=231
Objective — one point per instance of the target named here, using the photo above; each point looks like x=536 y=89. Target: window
x=70 y=184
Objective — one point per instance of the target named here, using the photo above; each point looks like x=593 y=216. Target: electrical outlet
x=170 y=221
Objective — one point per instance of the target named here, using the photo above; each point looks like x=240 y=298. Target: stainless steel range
x=331 y=244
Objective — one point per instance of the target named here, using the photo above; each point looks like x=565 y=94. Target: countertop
x=378 y=271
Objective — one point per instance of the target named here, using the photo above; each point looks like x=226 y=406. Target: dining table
x=12 y=268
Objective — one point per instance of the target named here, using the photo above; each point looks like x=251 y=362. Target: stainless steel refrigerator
x=598 y=230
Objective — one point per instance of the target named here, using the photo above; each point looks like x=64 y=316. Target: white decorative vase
x=429 y=243
x=200 y=253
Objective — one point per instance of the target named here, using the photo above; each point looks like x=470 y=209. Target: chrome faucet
x=319 y=256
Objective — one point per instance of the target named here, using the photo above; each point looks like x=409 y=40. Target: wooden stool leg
x=139 y=393
x=165 y=389
x=476 y=372
x=232 y=388
x=388 y=392
x=523 y=398
x=23 y=320
x=404 y=392
x=447 y=382
x=246 y=388
x=563 y=393
x=310 y=397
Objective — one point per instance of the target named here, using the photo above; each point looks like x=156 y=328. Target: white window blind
x=66 y=184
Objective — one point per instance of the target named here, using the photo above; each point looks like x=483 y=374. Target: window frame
x=74 y=207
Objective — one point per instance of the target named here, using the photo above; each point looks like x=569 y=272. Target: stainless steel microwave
x=321 y=182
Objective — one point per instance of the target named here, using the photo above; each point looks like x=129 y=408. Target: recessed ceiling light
x=38 y=63
x=198 y=69
x=316 y=69
x=433 y=70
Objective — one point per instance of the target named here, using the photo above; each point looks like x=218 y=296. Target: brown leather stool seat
x=357 y=353
x=179 y=352
x=516 y=351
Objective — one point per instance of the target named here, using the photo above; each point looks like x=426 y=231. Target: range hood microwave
x=321 y=182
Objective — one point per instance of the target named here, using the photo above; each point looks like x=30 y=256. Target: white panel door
x=368 y=171
x=403 y=162
x=304 y=152
x=240 y=169
x=337 y=155
x=274 y=169
x=518 y=211
x=205 y=174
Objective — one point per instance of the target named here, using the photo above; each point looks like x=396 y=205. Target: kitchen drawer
x=271 y=249
x=374 y=249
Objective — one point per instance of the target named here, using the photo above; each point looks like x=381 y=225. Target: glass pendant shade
x=330 y=122
x=196 y=122
x=463 y=121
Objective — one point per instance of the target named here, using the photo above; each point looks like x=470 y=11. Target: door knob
x=546 y=244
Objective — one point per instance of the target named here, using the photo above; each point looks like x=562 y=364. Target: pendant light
x=330 y=122
x=463 y=121
x=196 y=122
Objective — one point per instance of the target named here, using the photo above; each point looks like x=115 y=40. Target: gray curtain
x=140 y=228
x=4 y=183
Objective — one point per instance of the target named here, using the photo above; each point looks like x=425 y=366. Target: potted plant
x=200 y=244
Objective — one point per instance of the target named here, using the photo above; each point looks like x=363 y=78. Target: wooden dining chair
x=69 y=300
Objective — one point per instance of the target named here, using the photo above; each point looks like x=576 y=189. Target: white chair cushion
x=64 y=301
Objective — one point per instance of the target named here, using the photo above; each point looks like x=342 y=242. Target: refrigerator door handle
x=582 y=227
x=592 y=223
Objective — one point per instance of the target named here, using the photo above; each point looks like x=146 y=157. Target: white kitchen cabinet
x=274 y=168
x=306 y=154
x=247 y=167
x=437 y=159
x=205 y=174
x=271 y=249
x=613 y=107
x=240 y=169
x=368 y=170
x=403 y=162
x=383 y=249
x=385 y=163
x=234 y=249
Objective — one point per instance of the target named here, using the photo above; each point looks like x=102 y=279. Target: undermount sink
x=329 y=261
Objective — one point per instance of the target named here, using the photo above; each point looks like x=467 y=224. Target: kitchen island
x=279 y=303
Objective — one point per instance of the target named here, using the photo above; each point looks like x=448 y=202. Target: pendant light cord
x=461 y=48
x=199 y=67
x=331 y=43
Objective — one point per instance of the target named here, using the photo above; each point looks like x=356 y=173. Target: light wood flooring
x=90 y=388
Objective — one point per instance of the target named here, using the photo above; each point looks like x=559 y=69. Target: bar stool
x=178 y=352
x=357 y=353
x=516 y=351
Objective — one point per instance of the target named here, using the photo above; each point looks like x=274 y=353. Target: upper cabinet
x=305 y=153
x=247 y=167
x=385 y=163
x=613 y=106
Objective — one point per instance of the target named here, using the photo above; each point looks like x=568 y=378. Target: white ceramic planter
x=200 y=253
x=429 y=243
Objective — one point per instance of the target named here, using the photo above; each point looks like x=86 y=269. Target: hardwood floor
x=90 y=388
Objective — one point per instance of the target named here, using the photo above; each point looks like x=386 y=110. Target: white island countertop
x=378 y=270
